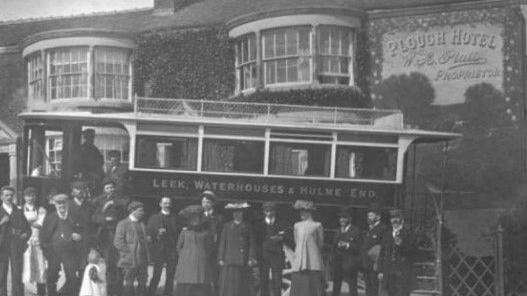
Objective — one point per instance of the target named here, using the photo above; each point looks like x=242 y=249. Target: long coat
x=48 y=230
x=15 y=233
x=346 y=258
x=396 y=262
x=195 y=248
x=236 y=244
x=372 y=238
x=309 y=240
x=271 y=250
x=163 y=246
x=130 y=242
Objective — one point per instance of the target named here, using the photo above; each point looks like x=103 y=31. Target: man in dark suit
x=345 y=255
x=90 y=161
x=109 y=210
x=397 y=257
x=270 y=235
x=131 y=242
x=14 y=233
x=60 y=239
x=82 y=209
x=163 y=230
x=370 y=250
x=214 y=222
x=117 y=172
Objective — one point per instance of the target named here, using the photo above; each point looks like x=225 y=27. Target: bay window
x=112 y=73
x=79 y=72
x=246 y=62
x=296 y=55
x=286 y=55
x=68 y=73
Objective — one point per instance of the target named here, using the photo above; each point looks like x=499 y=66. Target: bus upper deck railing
x=269 y=113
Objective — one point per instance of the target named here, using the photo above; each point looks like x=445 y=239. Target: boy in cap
x=14 y=234
x=270 y=235
x=370 y=249
x=60 y=238
x=131 y=243
x=345 y=255
x=397 y=257
x=117 y=172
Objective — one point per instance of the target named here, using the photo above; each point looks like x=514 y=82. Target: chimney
x=165 y=7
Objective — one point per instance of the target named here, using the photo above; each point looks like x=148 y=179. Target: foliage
x=192 y=64
x=411 y=93
x=331 y=96
x=484 y=107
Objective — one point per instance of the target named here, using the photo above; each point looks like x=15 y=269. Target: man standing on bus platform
x=214 y=222
x=117 y=172
x=109 y=210
x=14 y=233
x=163 y=228
x=371 y=248
x=91 y=161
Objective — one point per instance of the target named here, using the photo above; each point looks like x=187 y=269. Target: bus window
x=166 y=153
x=300 y=159
x=233 y=156
x=45 y=152
x=374 y=163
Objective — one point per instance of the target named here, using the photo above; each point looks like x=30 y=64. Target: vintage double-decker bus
x=242 y=151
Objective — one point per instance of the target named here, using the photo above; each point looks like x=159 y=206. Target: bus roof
x=299 y=117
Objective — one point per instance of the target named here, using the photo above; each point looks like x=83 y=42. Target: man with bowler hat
x=214 y=222
x=14 y=234
x=345 y=254
x=60 y=238
x=397 y=257
x=163 y=228
x=131 y=242
x=270 y=234
x=371 y=248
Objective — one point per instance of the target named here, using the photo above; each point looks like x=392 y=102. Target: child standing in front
x=94 y=279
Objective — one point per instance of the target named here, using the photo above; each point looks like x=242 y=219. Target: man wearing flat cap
x=270 y=235
x=82 y=208
x=60 y=238
x=109 y=210
x=345 y=255
x=131 y=242
x=397 y=257
x=370 y=249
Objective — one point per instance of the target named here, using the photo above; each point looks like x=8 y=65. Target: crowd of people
x=104 y=246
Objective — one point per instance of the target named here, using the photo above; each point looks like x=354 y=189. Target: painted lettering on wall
x=453 y=58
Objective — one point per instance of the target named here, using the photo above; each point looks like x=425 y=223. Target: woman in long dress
x=236 y=254
x=195 y=247
x=307 y=277
x=34 y=261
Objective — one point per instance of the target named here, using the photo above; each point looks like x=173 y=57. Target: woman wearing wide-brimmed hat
x=307 y=278
x=236 y=254
x=195 y=246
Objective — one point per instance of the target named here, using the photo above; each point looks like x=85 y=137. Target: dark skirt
x=235 y=281
x=307 y=283
x=185 y=289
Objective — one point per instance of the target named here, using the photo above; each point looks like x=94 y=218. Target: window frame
x=80 y=74
x=126 y=73
x=350 y=54
x=242 y=65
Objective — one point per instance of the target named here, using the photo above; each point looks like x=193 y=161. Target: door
x=4 y=169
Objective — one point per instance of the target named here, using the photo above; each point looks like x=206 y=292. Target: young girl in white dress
x=94 y=278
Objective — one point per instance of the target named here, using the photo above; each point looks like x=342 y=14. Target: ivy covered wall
x=191 y=64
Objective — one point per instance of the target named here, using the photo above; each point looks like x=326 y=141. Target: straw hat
x=304 y=205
